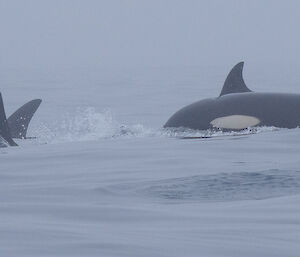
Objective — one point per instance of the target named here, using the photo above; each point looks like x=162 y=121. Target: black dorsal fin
x=4 y=130
x=234 y=82
x=19 y=121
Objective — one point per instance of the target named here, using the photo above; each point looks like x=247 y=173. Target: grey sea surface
x=103 y=178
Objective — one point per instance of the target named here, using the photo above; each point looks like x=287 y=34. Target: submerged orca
x=239 y=108
x=17 y=124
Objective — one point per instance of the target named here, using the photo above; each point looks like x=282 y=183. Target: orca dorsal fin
x=19 y=121
x=234 y=82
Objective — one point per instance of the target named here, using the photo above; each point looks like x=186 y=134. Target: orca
x=17 y=124
x=238 y=108
x=19 y=121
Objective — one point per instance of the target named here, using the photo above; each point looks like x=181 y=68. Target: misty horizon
x=54 y=34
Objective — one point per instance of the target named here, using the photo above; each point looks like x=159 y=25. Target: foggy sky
x=87 y=33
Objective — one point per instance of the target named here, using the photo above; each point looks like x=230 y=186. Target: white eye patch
x=235 y=122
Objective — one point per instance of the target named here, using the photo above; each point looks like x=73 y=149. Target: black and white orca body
x=239 y=108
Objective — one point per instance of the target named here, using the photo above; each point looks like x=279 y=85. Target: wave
x=218 y=187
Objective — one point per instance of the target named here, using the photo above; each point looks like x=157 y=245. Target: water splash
x=87 y=125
